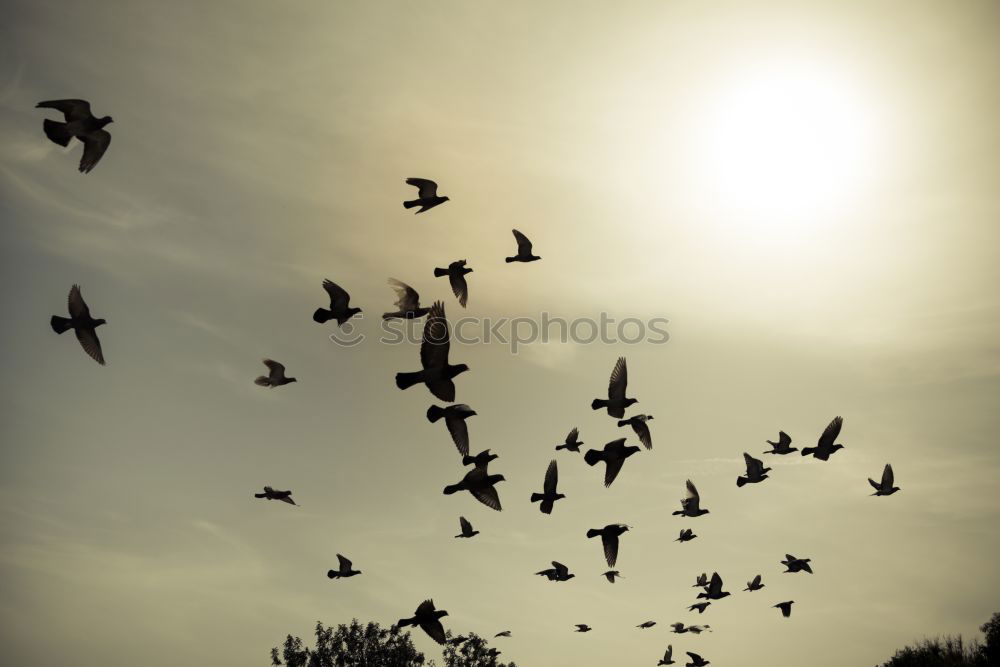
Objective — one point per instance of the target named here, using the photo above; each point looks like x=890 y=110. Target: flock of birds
x=438 y=375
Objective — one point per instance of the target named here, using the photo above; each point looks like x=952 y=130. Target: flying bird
x=785 y=607
x=458 y=639
x=678 y=628
x=340 y=305
x=617 y=386
x=480 y=460
x=646 y=624
x=756 y=472
x=783 y=446
x=549 y=496
x=456 y=277
x=641 y=428
x=885 y=488
x=83 y=325
x=613 y=455
x=481 y=485
x=505 y=633
x=696 y=660
x=427 y=196
x=271 y=494
x=583 y=627
x=437 y=373
x=826 y=444
x=523 y=249
x=686 y=535
x=558 y=572
x=466 y=528
x=408 y=302
x=572 y=442
x=796 y=564
x=429 y=620
x=698 y=629
x=611 y=574
x=668 y=656
x=700 y=606
x=691 y=504
x=454 y=419
x=701 y=581
x=344 y=569
x=275 y=377
x=714 y=589
x=609 y=538
x=754 y=585
x=83 y=125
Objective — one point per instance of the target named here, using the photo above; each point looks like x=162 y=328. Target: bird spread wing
x=90 y=343
x=692 y=500
x=561 y=569
x=573 y=435
x=829 y=437
x=434 y=629
x=784 y=439
x=715 y=585
x=459 y=287
x=610 y=548
x=408 y=300
x=434 y=348
x=641 y=429
x=94 y=145
x=755 y=467
x=669 y=654
x=887 y=476
x=523 y=244
x=459 y=434
x=755 y=582
x=464 y=523
x=426 y=608
x=276 y=370
x=77 y=306
x=619 y=380
x=611 y=470
x=71 y=109
x=426 y=188
x=345 y=564
x=339 y=298
x=487 y=495
x=551 y=478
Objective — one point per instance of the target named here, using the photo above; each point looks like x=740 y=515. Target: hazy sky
x=807 y=191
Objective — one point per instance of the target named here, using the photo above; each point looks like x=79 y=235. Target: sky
x=807 y=192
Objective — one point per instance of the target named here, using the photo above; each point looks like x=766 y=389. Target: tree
x=952 y=651
x=473 y=652
x=351 y=645
x=991 y=651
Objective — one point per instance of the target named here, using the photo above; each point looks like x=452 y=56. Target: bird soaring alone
x=582 y=627
x=549 y=496
x=572 y=442
x=429 y=620
x=613 y=455
x=827 y=442
x=343 y=570
x=456 y=277
x=885 y=487
x=437 y=373
x=611 y=575
x=754 y=585
x=481 y=485
x=466 y=527
x=408 y=302
x=609 y=538
x=454 y=419
x=794 y=564
x=783 y=446
x=503 y=633
x=686 y=535
x=427 y=196
x=275 y=377
x=83 y=325
x=646 y=624
x=641 y=428
x=785 y=607
x=480 y=460
x=340 y=305
x=80 y=123
x=701 y=580
x=699 y=606
x=691 y=504
x=271 y=494
x=696 y=660
x=617 y=386
x=756 y=472
x=714 y=589
x=523 y=249
x=558 y=572
x=668 y=656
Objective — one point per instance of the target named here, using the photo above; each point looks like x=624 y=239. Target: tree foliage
x=953 y=651
x=473 y=652
x=353 y=645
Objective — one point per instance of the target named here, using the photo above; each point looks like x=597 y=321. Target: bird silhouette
x=344 y=569
x=885 y=488
x=558 y=572
x=83 y=125
x=613 y=455
x=691 y=504
x=549 y=496
x=756 y=472
x=481 y=485
x=427 y=196
x=429 y=620
x=275 y=377
x=340 y=305
x=504 y=633
x=437 y=373
x=785 y=607
x=466 y=528
x=646 y=624
x=458 y=639
x=700 y=606
x=701 y=581
x=583 y=627
x=754 y=585
x=572 y=442
x=454 y=419
x=408 y=302
x=686 y=535
x=610 y=575
x=796 y=564
x=609 y=538
x=696 y=660
x=783 y=446
x=480 y=460
x=456 y=277
x=714 y=589
x=826 y=445
x=271 y=494
x=617 y=386
x=668 y=656
x=523 y=249
x=83 y=325
x=641 y=428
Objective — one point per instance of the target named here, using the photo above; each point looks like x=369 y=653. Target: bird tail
x=56 y=132
x=558 y=447
x=598 y=404
x=593 y=532
x=411 y=204
x=260 y=495
x=434 y=413
x=322 y=315
x=592 y=457
x=404 y=622
x=407 y=380
x=546 y=507
x=622 y=422
x=806 y=451
x=60 y=324
x=440 y=272
x=262 y=381
x=535 y=497
x=740 y=481
x=389 y=316
x=452 y=488
x=510 y=259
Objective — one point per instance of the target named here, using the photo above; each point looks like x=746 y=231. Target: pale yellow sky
x=261 y=147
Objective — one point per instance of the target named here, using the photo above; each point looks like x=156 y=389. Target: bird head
x=836 y=447
x=292 y=379
x=106 y=120
x=444 y=199
x=631 y=401
x=497 y=478
x=440 y=613
x=98 y=323
x=560 y=495
x=459 y=368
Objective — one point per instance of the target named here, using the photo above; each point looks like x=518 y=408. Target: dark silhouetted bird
x=437 y=373
x=783 y=446
x=549 y=496
x=428 y=618
x=456 y=277
x=686 y=535
x=617 y=386
x=714 y=589
x=613 y=455
x=583 y=627
x=610 y=575
x=641 y=428
x=691 y=504
x=756 y=472
x=344 y=569
x=83 y=325
x=480 y=460
x=80 y=123
x=696 y=660
x=698 y=629
x=754 y=585
x=785 y=607
x=646 y=624
x=458 y=639
x=572 y=441
x=427 y=196
x=492 y=653
x=275 y=377
x=558 y=572
x=466 y=528
x=826 y=444
x=701 y=581
x=505 y=633
x=271 y=494
x=796 y=564
x=481 y=485
x=885 y=488
x=340 y=305
x=454 y=419
x=668 y=656
x=700 y=606
x=609 y=538
x=523 y=249
x=408 y=302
